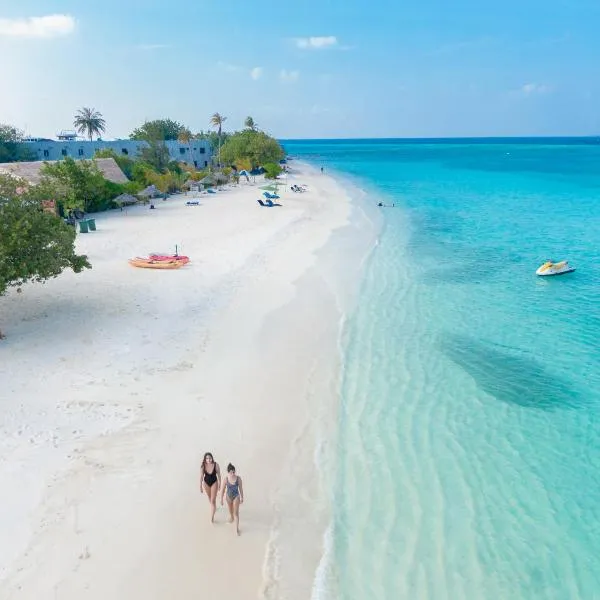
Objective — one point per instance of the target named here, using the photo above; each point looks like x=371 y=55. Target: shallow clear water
x=469 y=435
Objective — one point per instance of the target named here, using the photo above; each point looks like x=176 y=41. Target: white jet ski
x=555 y=268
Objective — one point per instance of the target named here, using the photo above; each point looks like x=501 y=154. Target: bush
x=272 y=170
x=254 y=147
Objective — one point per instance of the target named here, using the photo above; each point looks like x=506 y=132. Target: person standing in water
x=232 y=484
x=210 y=482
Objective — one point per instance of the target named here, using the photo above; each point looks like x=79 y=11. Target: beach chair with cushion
x=192 y=203
x=270 y=196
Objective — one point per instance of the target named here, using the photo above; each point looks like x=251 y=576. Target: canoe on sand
x=146 y=263
x=177 y=257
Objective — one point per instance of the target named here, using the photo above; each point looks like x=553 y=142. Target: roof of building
x=31 y=171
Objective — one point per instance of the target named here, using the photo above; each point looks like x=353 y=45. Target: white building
x=196 y=152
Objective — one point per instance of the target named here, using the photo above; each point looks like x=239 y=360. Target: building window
x=64 y=151
x=196 y=164
x=181 y=150
x=202 y=150
x=124 y=151
x=46 y=153
x=206 y=163
x=195 y=149
x=80 y=151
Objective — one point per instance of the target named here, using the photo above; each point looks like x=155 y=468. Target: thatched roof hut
x=125 y=200
x=31 y=171
x=150 y=192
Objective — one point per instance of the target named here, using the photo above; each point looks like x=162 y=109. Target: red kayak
x=165 y=257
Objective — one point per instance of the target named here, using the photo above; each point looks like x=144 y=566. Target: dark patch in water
x=519 y=380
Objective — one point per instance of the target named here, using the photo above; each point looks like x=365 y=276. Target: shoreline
x=259 y=286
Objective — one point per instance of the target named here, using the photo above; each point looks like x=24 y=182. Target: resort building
x=194 y=152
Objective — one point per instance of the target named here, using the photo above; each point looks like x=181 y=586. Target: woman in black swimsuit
x=210 y=481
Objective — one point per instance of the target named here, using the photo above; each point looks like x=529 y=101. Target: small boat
x=147 y=263
x=177 y=257
x=552 y=268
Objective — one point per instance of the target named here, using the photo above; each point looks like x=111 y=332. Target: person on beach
x=210 y=482
x=232 y=484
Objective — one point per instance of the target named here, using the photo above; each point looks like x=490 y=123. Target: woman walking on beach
x=210 y=481
x=232 y=484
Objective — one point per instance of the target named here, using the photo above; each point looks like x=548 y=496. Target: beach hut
x=125 y=200
x=150 y=192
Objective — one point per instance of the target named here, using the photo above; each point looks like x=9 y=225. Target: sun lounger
x=211 y=191
x=192 y=203
x=268 y=203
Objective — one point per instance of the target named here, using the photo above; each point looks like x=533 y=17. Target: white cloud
x=534 y=88
x=256 y=73
x=37 y=27
x=289 y=76
x=316 y=43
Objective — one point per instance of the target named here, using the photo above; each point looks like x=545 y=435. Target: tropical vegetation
x=12 y=148
x=216 y=122
x=34 y=245
x=89 y=122
x=78 y=185
x=159 y=130
x=251 y=148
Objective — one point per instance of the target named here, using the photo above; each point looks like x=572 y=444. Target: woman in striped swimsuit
x=232 y=484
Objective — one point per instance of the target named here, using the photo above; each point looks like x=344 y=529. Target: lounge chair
x=211 y=191
x=270 y=196
x=268 y=203
x=193 y=203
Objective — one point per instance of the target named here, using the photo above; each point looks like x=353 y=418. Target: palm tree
x=250 y=124
x=217 y=121
x=90 y=122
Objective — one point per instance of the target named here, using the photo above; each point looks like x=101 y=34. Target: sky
x=305 y=69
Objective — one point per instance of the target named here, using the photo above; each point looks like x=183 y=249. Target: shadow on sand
x=515 y=379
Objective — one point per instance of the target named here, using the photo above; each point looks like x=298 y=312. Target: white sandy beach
x=114 y=382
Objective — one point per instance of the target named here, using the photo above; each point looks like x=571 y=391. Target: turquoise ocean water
x=468 y=463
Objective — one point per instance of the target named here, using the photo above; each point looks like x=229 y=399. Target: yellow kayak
x=146 y=263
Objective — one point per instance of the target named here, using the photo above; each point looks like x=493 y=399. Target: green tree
x=156 y=154
x=254 y=147
x=78 y=185
x=217 y=121
x=12 y=148
x=250 y=124
x=159 y=130
x=271 y=170
x=34 y=245
x=90 y=122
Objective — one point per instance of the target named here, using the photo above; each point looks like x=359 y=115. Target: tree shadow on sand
x=511 y=378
